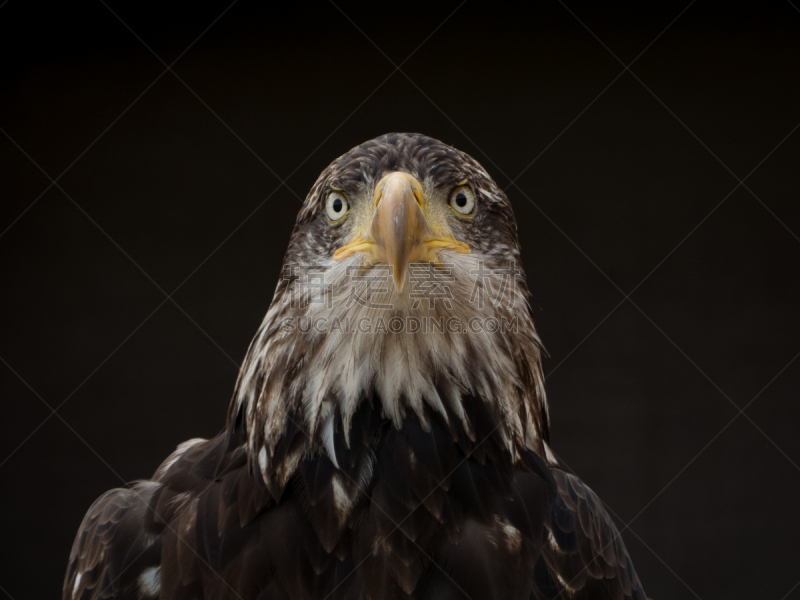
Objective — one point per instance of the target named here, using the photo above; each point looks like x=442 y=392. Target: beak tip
x=399 y=282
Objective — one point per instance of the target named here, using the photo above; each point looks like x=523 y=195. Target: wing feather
x=583 y=555
x=116 y=541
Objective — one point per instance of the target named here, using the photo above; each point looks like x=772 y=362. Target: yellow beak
x=399 y=233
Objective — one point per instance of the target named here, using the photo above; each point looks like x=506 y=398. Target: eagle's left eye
x=462 y=200
x=336 y=206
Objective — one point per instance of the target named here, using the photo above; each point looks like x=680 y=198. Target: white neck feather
x=320 y=348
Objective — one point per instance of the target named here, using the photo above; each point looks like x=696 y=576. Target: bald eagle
x=388 y=433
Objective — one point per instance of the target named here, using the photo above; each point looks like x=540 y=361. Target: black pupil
x=461 y=199
x=337 y=205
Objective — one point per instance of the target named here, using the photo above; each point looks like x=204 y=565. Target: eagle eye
x=336 y=206
x=462 y=200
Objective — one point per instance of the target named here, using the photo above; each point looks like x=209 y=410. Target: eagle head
x=402 y=287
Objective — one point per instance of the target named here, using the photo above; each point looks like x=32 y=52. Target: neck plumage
x=320 y=357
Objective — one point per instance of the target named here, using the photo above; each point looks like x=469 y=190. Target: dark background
x=176 y=190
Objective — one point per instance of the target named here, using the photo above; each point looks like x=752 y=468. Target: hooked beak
x=399 y=233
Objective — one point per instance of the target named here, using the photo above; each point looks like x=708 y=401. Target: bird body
x=388 y=434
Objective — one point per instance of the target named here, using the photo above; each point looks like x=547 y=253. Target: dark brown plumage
x=373 y=464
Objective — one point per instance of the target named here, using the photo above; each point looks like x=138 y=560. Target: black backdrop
x=168 y=184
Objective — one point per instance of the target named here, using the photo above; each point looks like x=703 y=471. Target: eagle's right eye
x=336 y=206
